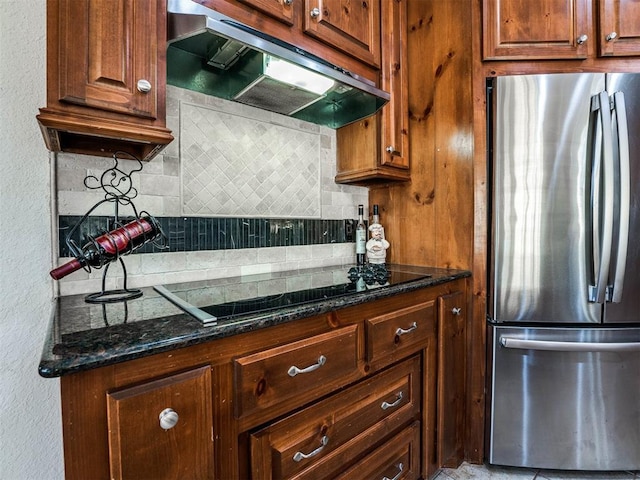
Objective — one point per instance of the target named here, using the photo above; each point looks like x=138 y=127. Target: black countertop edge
x=109 y=345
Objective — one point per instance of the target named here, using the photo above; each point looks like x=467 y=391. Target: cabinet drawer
x=400 y=331
x=297 y=372
x=397 y=459
x=319 y=441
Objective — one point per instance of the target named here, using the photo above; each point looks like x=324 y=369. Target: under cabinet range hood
x=213 y=54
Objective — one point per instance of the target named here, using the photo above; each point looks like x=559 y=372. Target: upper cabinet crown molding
x=106 y=77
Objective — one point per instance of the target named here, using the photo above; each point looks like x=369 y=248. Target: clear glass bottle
x=361 y=237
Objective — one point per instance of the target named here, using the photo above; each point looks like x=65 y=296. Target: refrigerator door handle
x=602 y=229
x=624 y=190
x=518 y=343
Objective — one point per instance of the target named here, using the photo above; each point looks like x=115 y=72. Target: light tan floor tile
x=468 y=471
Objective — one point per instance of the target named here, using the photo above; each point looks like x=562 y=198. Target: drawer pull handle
x=402 y=331
x=293 y=370
x=301 y=456
x=397 y=401
x=401 y=468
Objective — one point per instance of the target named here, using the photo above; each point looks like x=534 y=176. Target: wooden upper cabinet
x=103 y=71
x=560 y=29
x=106 y=77
x=350 y=26
x=377 y=148
x=619 y=27
x=546 y=29
x=395 y=115
x=282 y=10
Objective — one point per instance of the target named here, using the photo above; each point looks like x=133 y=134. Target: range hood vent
x=213 y=54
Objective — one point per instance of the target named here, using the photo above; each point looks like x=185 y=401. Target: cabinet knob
x=168 y=418
x=315 y=13
x=390 y=149
x=611 y=36
x=582 y=39
x=288 y=2
x=456 y=310
x=144 y=86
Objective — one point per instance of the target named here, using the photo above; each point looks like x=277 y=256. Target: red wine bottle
x=109 y=246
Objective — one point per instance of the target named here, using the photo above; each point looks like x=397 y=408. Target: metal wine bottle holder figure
x=120 y=240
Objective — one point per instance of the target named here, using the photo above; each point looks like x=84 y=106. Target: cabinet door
x=545 y=29
x=353 y=27
x=162 y=429
x=395 y=115
x=279 y=9
x=619 y=27
x=451 y=378
x=108 y=50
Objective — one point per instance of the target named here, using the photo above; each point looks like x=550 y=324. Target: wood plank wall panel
x=408 y=209
x=477 y=329
x=430 y=220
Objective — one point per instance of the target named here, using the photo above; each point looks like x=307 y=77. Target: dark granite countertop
x=83 y=336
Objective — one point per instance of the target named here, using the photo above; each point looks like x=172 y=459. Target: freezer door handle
x=521 y=344
x=602 y=174
x=623 y=181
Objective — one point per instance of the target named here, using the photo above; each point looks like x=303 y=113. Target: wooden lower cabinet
x=319 y=441
x=452 y=369
x=361 y=392
x=163 y=428
x=282 y=377
x=396 y=459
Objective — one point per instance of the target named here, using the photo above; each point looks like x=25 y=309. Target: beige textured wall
x=30 y=422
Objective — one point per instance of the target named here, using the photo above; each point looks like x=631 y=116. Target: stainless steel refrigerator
x=564 y=271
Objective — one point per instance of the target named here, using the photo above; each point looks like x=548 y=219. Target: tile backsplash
x=233 y=165
x=231 y=168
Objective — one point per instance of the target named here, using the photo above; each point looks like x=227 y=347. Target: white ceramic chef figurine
x=377 y=245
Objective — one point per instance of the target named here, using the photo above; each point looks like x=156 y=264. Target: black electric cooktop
x=225 y=299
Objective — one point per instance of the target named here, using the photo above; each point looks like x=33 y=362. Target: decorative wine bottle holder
x=121 y=239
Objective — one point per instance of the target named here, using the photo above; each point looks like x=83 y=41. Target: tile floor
x=468 y=471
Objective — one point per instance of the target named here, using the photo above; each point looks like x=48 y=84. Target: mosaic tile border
x=186 y=234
